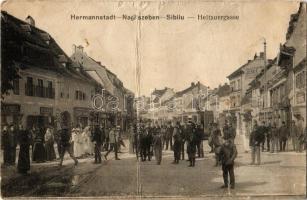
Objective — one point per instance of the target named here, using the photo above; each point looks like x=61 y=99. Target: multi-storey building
x=49 y=89
x=239 y=83
x=117 y=101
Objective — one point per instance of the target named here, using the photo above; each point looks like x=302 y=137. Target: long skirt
x=50 y=152
x=39 y=152
x=24 y=159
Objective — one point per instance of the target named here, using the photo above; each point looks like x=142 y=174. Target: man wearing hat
x=113 y=140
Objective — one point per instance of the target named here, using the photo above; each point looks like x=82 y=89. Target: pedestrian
x=164 y=135
x=143 y=142
x=88 y=146
x=96 y=139
x=264 y=130
x=5 y=145
x=256 y=138
x=284 y=134
x=113 y=140
x=66 y=145
x=177 y=143
x=300 y=137
x=131 y=135
x=294 y=133
x=13 y=140
x=228 y=131
x=268 y=136
x=157 y=147
x=210 y=143
x=169 y=137
x=191 y=143
x=39 y=151
x=228 y=153
x=199 y=139
x=49 y=145
x=274 y=138
x=23 y=165
x=57 y=139
x=183 y=133
x=216 y=136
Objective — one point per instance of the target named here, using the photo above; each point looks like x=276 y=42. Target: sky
x=172 y=53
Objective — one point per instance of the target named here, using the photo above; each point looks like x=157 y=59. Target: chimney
x=30 y=20
x=192 y=84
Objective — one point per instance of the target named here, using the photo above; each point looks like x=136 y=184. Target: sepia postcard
x=153 y=99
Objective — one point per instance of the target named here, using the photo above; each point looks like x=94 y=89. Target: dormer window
x=45 y=37
x=26 y=28
x=63 y=60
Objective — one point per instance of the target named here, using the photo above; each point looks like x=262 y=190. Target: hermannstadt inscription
x=169 y=17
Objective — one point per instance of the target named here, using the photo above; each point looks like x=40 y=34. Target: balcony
x=39 y=91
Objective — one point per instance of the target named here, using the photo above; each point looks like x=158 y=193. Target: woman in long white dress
x=78 y=143
x=87 y=139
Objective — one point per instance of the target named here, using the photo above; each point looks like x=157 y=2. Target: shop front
x=10 y=114
x=82 y=116
x=44 y=119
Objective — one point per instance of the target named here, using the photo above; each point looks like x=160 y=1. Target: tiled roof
x=34 y=47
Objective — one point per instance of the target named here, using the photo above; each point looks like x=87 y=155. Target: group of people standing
x=38 y=144
x=41 y=141
x=148 y=139
x=276 y=138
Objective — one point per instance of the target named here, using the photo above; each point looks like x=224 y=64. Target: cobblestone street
x=278 y=175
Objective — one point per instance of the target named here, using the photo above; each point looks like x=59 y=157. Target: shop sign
x=9 y=109
x=46 y=110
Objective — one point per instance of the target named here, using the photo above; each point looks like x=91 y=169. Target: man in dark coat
x=177 y=143
x=284 y=134
x=24 y=155
x=227 y=155
x=97 y=140
x=199 y=137
x=256 y=137
x=66 y=145
x=191 y=143
x=169 y=137
x=183 y=136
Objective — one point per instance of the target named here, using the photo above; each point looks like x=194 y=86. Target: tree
x=9 y=67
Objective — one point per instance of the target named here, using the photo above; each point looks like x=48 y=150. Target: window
x=16 y=86
x=40 y=82
x=77 y=95
x=62 y=94
x=49 y=84
x=239 y=84
x=29 y=87
x=40 y=88
x=300 y=80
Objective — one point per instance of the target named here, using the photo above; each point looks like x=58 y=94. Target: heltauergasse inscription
x=149 y=17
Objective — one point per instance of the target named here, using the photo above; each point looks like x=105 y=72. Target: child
x=228 y=154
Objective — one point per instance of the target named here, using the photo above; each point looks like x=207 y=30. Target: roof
x=293 y=21
x=193 y=85
x=159 y=92
x=38 y=50
x=240 y=71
